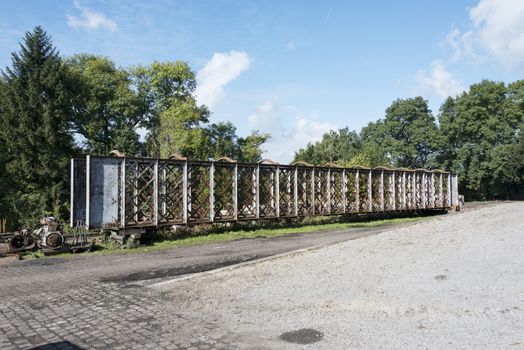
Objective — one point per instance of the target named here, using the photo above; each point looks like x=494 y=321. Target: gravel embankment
x=453 y=282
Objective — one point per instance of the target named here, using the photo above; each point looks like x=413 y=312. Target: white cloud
x=221 y=69
x=497 y=31
x=289 y=130
x=89 y=19
x=437 y=80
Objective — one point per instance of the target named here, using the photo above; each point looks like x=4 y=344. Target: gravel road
x=452 y=282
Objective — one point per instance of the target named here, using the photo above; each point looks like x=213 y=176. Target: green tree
x=481 y=130
x=223 y=140
x=411 y=133
x=173 y=118
x=336 y=146
x=109 y=108
x=250 y=147
x=36 y=112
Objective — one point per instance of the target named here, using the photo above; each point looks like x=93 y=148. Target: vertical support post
x=163 y=189
x=277 y=191
x=454 y=191
x=344 y=191
x=357 y=190
x=370 y=191
x=124 y=193
x=88 y=189
x=448 y=204
x=425 y=189
x=71 y=198
x=441 y=200
x=295 y=181
x=185 y=192
x=414 y=191
x=404 y=194
x=235 y=192
x=394 y=189
x=432 y=191
x=328 y=187
x=212 y=191
x=155 y=194
x=313 y=190
x=382 y=199
x=135 y=191
x=257 y=189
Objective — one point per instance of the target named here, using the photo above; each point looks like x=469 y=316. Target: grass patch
x=312 y=225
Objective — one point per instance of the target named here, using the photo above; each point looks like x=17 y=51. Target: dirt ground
x=454 y=282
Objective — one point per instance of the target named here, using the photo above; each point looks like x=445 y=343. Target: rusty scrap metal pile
x=47 y=237
x=124 y=193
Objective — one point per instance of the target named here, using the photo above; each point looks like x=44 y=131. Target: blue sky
x=295 y=69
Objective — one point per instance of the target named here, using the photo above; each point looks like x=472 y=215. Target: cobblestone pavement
x=102 y=302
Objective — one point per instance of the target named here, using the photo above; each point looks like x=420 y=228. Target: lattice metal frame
x=140 y=192
x=247 y=191
x=351 y=191
x=377 y=190
x=322 y=191
x=305 y=191
x=198 y=192
x=287 y=199
x=337 y=191
x=267 y=191
x=224 y=191
x=389 y=191
x=171 y=192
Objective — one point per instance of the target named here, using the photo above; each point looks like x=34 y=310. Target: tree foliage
x=35 y=118
x=108 y=107
x=481 y=130
x=53 y=109
x=478 y=137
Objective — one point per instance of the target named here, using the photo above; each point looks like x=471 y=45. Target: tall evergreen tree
x=36 y=112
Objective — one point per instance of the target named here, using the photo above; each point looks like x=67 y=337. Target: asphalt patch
x=41 y=262
x=302 y=336
x=177 y=271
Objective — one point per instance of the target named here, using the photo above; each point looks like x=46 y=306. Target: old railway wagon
x=121 y=193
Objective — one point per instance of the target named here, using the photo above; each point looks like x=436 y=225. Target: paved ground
x=455 y=282
x=107 y=302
